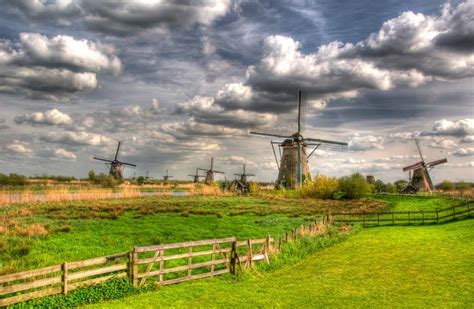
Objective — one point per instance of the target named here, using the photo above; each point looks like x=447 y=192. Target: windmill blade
x=118 y=149
x=129 y=164
x=437 y=162
x=249 y=174
x=212 y=162
x=269 y=134
x=100 y=159
x=201 y=169
x=417 y=142
x=325 y=141
x=415 y=166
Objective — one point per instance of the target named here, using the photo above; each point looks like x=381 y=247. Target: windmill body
x=420 y=179
x=167 y=176
x=196 y=176
x=116 y=166
x=293 y=164
x=241 y=185
x=210 y=173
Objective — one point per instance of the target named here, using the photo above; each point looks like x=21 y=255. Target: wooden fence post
x=134 y=268
x=64 y=278
x=190 y=260
x=130 y=266
x=267 y=249
x=250 y=252
x=233 y=257
x=162 y=264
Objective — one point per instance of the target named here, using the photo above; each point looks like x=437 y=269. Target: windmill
x=293 y=164
x=241 y=185
x=116 y=167
x=196 y=176
x=147 y=177
x=244 y=175
x=210 y=173
x=167 y=176
x=420 y=179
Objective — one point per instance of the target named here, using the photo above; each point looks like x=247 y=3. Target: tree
x=446 y=185
x=354 y=186
x=379 y=186
x=140 y=180
x=92 y=176
x=401 y=184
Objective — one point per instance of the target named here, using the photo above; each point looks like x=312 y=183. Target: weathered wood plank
x=30 y=273
x=182 y=268
x=185 y=244
x=24 y=297
x=181 y=256
x=29 y=285
x=96 y=261
x=194 y=277
x=99 y=271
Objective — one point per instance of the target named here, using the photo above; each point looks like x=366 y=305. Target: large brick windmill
x=210 y=173
x=115 y=166
x=420 y=180
x=293 y=164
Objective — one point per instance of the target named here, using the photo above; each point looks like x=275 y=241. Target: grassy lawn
x=404 y=267
x=417 y=203
x=48 y=233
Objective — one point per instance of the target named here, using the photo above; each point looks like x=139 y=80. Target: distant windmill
x=210 y=173
x=241 y=185
x=167 y=176
x=116 y=167
x=244 y=175
x=148 y=176
x=196 y=176
x=293 y=165
x=421 y=179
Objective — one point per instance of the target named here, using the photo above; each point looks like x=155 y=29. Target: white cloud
x=62 y=153
x=18 y=147
x=77 y=138
x=468 y=139
x=463 y=152
x=459 y=128
x=363 y=143
x=443 y=143
x=50 y=117
x=53 y=68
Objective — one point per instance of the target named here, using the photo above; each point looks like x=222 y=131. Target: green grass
x=417 y=203
x=403 y=267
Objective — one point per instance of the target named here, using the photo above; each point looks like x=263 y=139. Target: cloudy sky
x=181 y=81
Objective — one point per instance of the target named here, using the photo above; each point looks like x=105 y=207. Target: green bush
x=354 y=186
x=322 y=187
x=446 y=185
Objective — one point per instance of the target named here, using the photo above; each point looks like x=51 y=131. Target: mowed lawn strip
x=403 y=267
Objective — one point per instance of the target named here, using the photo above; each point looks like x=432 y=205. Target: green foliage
x=322 y=187
x=111 y=289
x=400 y=184
x=92 y=176
x=12 y=180
x=354 y=186
x=462 y=185
x=106 y=181
x=140 y=180
x=446 y=185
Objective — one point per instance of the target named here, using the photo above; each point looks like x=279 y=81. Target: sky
x=179 y=82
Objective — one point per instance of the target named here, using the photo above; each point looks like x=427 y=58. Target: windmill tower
x=147 y=177
x=420 y=179
x=244 y=175
x=167 y=176
x=196 y=176
x=210 y=173
x=293 y=164
x=115 y=166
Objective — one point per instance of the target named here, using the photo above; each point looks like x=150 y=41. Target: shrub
x=446 y=185
x=322 y=187
x=354 y=186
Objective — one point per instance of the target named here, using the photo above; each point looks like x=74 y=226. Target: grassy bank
x=402 y=267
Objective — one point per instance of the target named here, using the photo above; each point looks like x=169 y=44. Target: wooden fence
x=165 y=263
x=404 y=217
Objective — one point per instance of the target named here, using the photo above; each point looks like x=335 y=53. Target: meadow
x=375 y=261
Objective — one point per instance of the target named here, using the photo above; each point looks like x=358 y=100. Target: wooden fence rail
x=405 y=217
